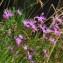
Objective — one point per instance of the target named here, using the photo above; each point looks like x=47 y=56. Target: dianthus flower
x=18 y=11
x=31 y=61
x=18 y=39
x=44 y=50
x=25 y=47
x=52 y=40
x=28 y=56
x=10 y=48
x=46 y=55
x=7 y=14
x=56 y=30
x=20 y=36
x=26 y=23
x=30 y=24
x=58 y=18
x=40 y=18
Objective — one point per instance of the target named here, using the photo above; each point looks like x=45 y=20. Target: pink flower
x=18 y=11
x=40 y=18
x=30 y=24
x=48 y=30
x=28 y=56
x=56 y=27
x=57 y=33
x=46 y=55
x=58 y=19
x=31 y=61
x=44 y=27
x=52 y=40
x=40 y=26
x=10 y=48
x=18 y=40
x=25 y=47
x=56 y=30
x=33 y=50
x=44 y=36
x=20 y=36
x=53 y=23
x=44 y=50
x=26 y=23
x=7 y=14
x=34 y=28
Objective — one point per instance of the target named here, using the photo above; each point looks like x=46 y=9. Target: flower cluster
x=18 y=39
x=45 y=53
x=25 y=47
x=29 y=57
x=11 y=48
x=38 y=23
x=30 y=24
x=8 y=13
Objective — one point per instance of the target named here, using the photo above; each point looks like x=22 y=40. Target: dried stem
x=51 y=51
x=54 y=13
x=1 y=2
